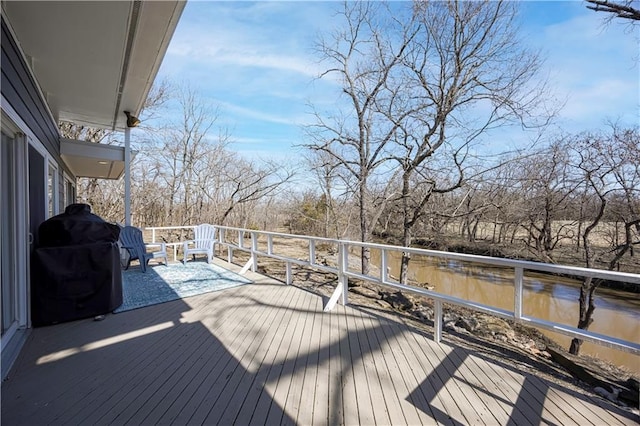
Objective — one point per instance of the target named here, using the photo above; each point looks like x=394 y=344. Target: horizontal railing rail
x=174 y=245
x=250 y=241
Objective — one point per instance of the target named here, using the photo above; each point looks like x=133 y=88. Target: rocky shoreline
x=503 y=340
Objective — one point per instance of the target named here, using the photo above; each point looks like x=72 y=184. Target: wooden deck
x=266 y=353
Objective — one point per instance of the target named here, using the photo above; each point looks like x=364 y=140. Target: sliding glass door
x=14 y=241
x=7 y=235
x=13 y=233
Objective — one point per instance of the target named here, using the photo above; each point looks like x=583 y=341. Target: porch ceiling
x=93 y=160
x=94 y=59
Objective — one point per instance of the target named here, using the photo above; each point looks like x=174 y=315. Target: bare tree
x=246 y=182
x=608 y=166
x=361 y=56
x=617 y=9
x=178 y=153
x=330 y=179
x=462 y=72
x=549 y=182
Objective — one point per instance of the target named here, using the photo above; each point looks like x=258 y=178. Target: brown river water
x=545 y=297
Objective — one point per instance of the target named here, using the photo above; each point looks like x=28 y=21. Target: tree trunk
x=587 y=307
x=406 y=257
x=406 y=231
x=365 y=252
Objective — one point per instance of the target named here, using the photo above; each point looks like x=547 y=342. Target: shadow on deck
x=266 y=353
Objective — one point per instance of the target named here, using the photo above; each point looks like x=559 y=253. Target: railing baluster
x=344 y=267
x=221 y=235
x=437 y=320
x=254 y=249
x=384 y=272
x=312 y=252
x=517 y=296
x=344 y=273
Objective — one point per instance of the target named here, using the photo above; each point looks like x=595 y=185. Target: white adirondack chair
x=204 y=242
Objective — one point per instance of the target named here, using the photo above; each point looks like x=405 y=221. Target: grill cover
x=75 y=267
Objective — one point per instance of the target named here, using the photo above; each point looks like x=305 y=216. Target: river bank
x=481 y=248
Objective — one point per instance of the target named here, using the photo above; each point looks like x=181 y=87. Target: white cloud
x=595 y=68
x=260 y=115
x=245 y=35
x=242 y=56
x=254 y=59
x=603 y=99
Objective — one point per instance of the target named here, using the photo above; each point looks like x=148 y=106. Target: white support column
x=289 y=275
x=127 y=176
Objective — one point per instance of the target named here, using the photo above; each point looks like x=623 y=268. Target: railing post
x=437 y=320
x=517 y=296
x=343 y=282
x=269 y=244
x=342 y=269
x=241 y=239
x=312 y=252
x=254 y=249
x=153 y=235
x=288 y=279
x=384 y=273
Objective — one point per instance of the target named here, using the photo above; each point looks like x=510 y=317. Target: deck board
x=266 y=353
x=307 y=393
x=376 y=393
x=321 y=393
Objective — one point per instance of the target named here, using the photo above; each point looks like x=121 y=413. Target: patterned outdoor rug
x=166 y=283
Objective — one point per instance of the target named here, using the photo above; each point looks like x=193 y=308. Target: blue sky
x=254 y=61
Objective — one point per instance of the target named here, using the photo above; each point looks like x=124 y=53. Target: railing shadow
x=531 y=393
x=224 y=359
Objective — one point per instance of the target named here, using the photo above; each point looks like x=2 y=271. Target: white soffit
x=94 y=59
x=93 y=160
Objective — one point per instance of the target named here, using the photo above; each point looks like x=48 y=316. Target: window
x=52 y=193
x=68 y=191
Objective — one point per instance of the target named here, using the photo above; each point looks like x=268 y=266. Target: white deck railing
x=261 y=243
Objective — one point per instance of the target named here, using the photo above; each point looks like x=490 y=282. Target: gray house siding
x=20 y=90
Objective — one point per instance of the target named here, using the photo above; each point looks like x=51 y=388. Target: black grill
x=75 y=268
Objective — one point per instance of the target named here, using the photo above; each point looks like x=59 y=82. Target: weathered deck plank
x=307 y=393
x=267 y=354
